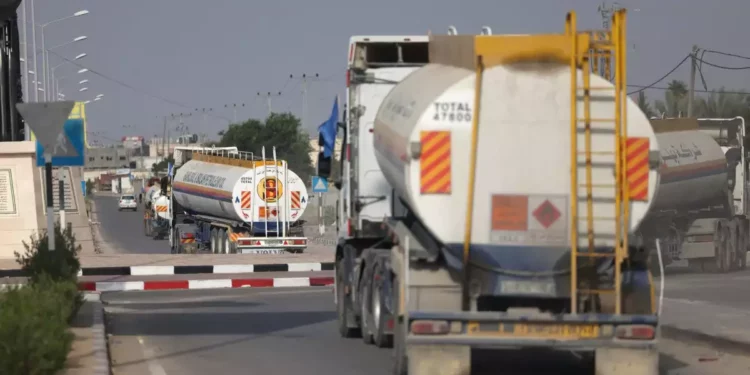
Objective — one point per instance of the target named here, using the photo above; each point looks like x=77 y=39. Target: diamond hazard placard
x=546 y=214
x=529 y=220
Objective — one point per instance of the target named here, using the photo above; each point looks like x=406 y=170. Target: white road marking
x=153 y=365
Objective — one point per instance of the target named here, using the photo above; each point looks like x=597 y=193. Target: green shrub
x=60 y=265
x=34 y=336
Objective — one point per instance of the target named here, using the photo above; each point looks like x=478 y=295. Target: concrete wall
x=21 y=213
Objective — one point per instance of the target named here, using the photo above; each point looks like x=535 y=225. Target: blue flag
x=169 y=169
x=328 y=130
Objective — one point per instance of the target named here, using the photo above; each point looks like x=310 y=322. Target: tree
x=282 y=130
x=721 y=104
x=644 y=105
x=675 y=100
x=161 y=166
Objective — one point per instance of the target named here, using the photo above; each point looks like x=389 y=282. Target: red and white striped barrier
x=277 y=282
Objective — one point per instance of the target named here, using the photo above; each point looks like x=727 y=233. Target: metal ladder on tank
x=280 y=229
x=611 y=47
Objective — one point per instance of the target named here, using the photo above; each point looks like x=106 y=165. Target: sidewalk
x=724 y=323
x=88 y=355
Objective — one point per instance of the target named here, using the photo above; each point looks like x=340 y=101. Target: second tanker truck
x=700 y=213
x=490 y=187
x=228 y=201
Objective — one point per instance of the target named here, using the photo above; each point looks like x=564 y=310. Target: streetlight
x=83 y=81
x=56 y=81
x=41 y=27
x=45 y=55
x=84 y=70
x=82 y=89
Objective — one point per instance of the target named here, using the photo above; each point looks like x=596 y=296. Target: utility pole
x=305 y=78
x=234 y=110
x=691 y=87
x=164 y=141
x=268 y=96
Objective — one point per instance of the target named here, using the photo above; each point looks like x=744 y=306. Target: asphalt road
x=292 y=331
x=123 y=230
x=730 y=289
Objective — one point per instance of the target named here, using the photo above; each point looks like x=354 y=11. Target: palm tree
x=721 y=104
x=675 y=100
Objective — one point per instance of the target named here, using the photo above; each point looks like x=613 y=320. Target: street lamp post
x=41 y=28
x=45 y=54
x=56 y=81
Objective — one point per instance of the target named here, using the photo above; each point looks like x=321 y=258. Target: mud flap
x=439 y=360
x=625 y=361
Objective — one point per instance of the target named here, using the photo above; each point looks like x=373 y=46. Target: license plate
x=527 y=287
x=545 y=331
x=263 y=251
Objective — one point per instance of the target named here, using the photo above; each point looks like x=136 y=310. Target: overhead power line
x=641 y=88
x=660 y=79
x=138 y=90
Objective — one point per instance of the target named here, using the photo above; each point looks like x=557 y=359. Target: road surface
x=291 y=331
x=123 y=230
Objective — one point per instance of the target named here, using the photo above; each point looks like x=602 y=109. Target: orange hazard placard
x=295 y=200
x=510 y=212
x=245 y=199
x=266 y=214
x=435 y=162
x=636 y=164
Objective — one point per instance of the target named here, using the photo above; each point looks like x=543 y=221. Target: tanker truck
x=227 y=201
x=700 y=214
x=453 y=236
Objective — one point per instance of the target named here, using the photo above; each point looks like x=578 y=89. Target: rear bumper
x=489 y=339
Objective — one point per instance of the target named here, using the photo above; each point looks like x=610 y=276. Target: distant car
x=128 y=202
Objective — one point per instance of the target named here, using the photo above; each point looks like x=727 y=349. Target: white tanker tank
x=693 y=172
x=423 y=133
x=239 y=194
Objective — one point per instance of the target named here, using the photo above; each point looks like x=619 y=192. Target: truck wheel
x=214 y=241
x=400 y=360
x=173 y=236
x=343 y=308
x=224 y=236
x=364 y=301
x=380 y=313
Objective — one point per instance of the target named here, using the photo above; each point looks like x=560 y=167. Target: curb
x=718 y=342
x=101 y=349
x=278 y=282
x=187 y=270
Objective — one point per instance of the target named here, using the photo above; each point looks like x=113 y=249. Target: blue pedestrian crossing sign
x=319 y=184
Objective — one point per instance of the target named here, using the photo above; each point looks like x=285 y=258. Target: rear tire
x=224 y=238
x=400 y=360
x=214 y=241
x=380 y=314
x=364 y=302
x=343 y=310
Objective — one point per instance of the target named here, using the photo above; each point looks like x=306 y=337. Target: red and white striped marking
x=278 y=282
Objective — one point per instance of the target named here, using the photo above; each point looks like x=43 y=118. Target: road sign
x=319 y=184
x=75 y=143
x=60 y=137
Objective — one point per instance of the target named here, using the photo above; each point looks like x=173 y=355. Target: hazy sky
x=205 y=54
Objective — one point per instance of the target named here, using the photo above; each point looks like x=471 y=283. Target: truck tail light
x=429 y=327
x=299 y=242
x=186 y=235
x=635 y=332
